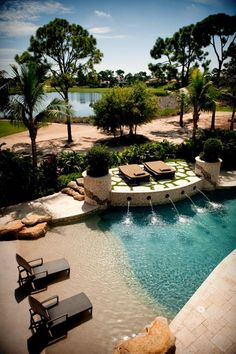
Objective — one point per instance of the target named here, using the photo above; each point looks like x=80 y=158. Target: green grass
x=7 y=128
x=221 y=108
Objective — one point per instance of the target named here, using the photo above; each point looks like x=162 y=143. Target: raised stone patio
x=185 y=181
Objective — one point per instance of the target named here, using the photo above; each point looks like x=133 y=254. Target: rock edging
x=75 y=189
x=30 y=227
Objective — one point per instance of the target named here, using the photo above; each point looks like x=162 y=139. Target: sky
x=125 y=30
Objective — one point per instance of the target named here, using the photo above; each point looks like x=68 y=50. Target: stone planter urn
x=209 y=170
x=97 y=190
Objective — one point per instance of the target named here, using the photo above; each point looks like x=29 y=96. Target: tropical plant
x=68 y=47
x=4 y=89
x=199 y=96
x=26 y=106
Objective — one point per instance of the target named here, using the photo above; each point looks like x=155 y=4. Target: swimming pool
x=170 y=253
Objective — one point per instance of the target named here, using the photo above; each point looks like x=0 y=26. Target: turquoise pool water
x=171 y=254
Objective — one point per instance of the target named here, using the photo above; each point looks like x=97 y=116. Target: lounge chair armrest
x=54 y=297
x=53 y=320
x=40 y=260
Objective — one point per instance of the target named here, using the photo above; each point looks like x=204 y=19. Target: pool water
x=170 y=253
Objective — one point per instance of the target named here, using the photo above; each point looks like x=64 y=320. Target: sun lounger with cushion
x=160 y=169
x=134 y=173
x=36 y=271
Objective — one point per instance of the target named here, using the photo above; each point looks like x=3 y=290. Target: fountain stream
x=154 y=218
x=128 y=217
x=177 y=212
x=205 y=196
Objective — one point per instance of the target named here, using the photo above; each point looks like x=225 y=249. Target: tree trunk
x=131 y=133
x=181 y=122
x=213 y=118
x=232 y=119
x=33 y=134
x=68 y=119
x=195 y=120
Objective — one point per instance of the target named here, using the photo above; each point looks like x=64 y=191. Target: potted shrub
x=97 y=180
x=208 y=162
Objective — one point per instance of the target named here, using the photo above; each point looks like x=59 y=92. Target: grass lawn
x=7 y=128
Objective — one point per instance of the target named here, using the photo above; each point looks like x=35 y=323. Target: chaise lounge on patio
x=134 y=173
x=160 y=170
x=55 y=316
x=36 y=272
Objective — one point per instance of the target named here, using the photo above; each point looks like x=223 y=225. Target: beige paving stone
x=231 y=350
x=204 y=345
x=222 y=341
x=185 y=336
x=193 y=321
x=214 y=326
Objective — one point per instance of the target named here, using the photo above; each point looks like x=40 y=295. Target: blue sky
x=125 y=30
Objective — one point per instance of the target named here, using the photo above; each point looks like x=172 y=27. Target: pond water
x=80 y=102
x=171 y=254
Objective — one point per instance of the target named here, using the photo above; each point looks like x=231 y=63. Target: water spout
x=182 y=219
x=128 y=219
x=154 y=218
x=212 y=205
x=204 y=195
x=198 y=209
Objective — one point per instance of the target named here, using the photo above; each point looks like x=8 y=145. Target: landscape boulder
x=155 y=339
x=11 y=228
x=35 y=231
x=33 y=219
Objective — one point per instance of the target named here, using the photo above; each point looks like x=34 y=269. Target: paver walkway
x=207 y=323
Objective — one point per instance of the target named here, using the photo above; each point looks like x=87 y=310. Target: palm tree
x=199 y=96
x=27 y=106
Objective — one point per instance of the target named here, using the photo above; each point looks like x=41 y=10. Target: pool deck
x=206 y=324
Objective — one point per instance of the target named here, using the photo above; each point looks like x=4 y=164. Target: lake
x=80 y=101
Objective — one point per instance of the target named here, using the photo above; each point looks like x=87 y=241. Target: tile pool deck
x=205 y=325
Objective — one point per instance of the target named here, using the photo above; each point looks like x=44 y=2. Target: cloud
x=208 y=2
x=17 y=28
x=16 y=10
x=15 y=15
x=100 y=30
x=102 y=14
x=112 y=36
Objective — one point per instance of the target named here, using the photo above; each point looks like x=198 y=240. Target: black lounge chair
x=160 y=169
x=37 y=273
x=134 y=173
x=56 y=316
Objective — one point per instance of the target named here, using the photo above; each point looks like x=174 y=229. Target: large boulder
x=35 y=231
x=11 y=228
x=33 y=219
x=156 y=339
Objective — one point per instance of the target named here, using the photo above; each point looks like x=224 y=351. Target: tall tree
x=218 y=31
x=228 y=82
x=199 y=96
x=179 y=52
x=26 y=106
x=65 y=47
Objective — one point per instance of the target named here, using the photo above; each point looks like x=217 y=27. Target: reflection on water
x=80 y=101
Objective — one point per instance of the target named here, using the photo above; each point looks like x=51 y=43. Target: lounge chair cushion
x=160 y=169
x=134 y=172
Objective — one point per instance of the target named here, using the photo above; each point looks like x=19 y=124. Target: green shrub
x=63 y=180
x=212 y=150
x=98 y=161
x=70 y=161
